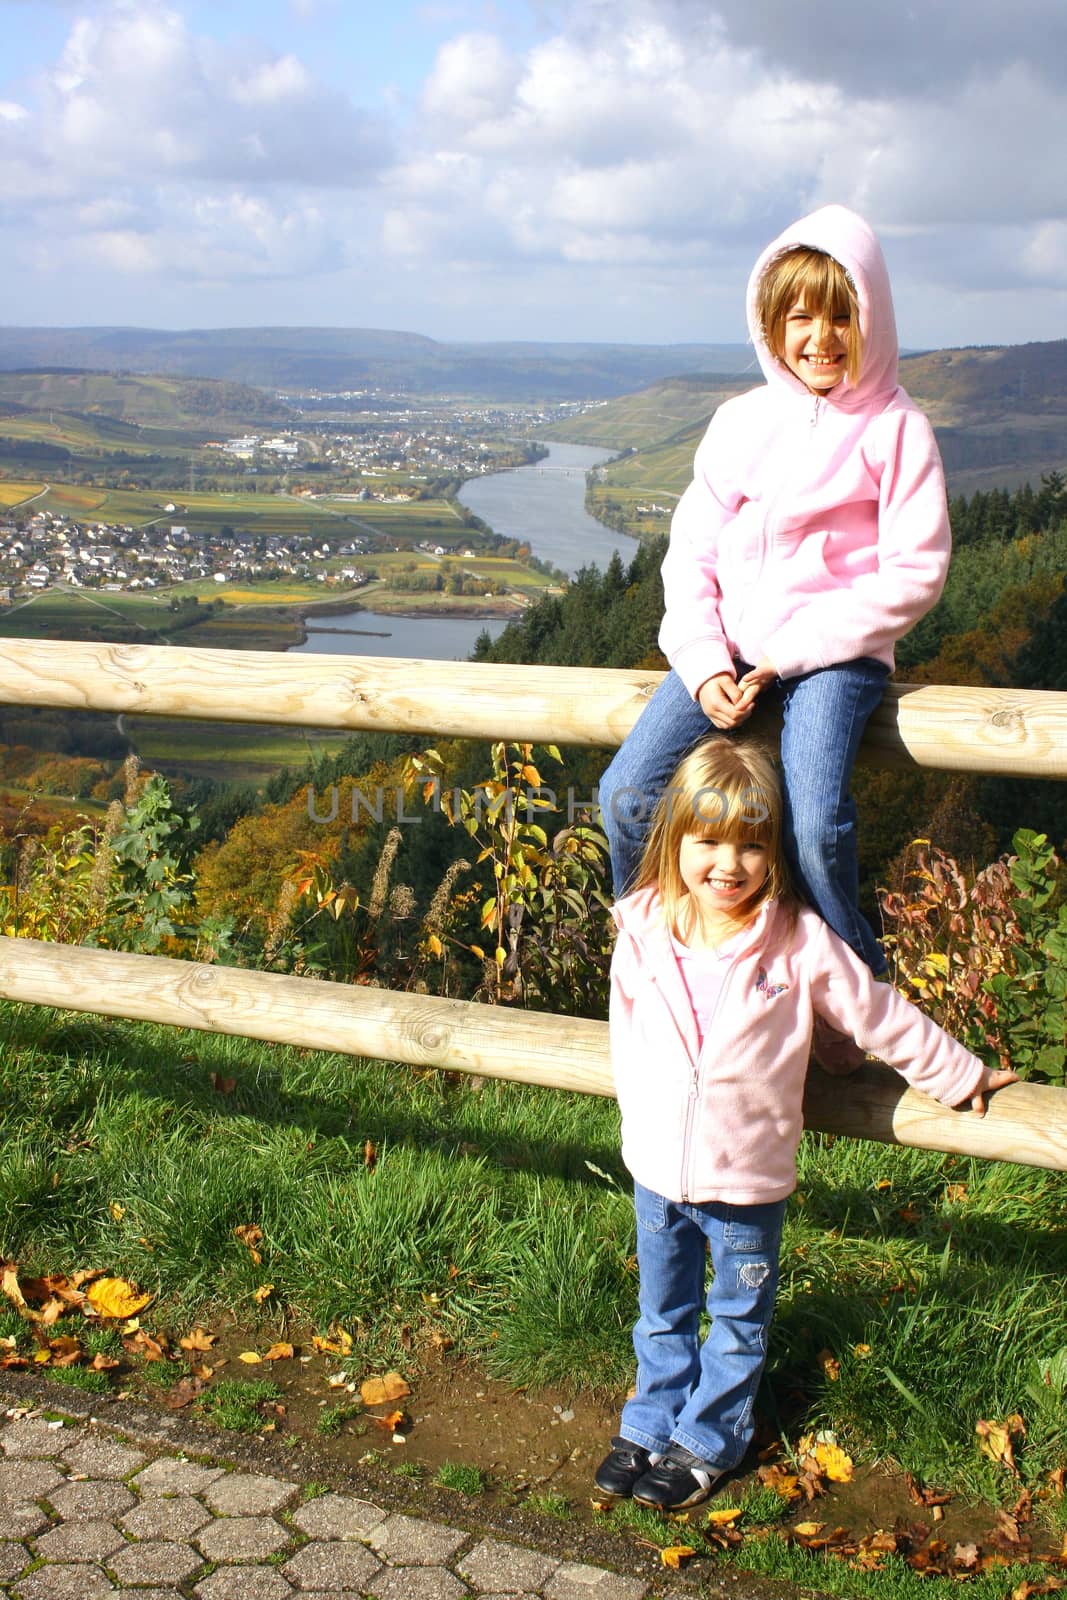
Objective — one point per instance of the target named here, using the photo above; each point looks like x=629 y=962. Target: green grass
x=936 y=1282
x=334 y=1418
x=234 y=1403
x=461 y=1476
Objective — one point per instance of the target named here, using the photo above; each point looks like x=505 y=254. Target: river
x=544 y=505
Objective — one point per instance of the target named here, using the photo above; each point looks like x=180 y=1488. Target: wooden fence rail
x=978 y=730
x=997 y=731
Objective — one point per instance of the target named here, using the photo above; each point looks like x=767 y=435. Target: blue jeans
x=701 y=1395
x=824 y=714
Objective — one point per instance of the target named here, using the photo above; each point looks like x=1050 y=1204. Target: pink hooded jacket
x=816 y=529
x=724 y=1122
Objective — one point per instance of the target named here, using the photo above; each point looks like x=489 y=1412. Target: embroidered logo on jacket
x=769 y=991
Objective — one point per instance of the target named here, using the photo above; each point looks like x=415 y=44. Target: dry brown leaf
x=143 y=1344
x=380 y=1391
x=1023 y=1509
x=830 y=1365
x=183 y=1393
x=250 y=1235
x=199 y=1339
x=223 y=1085
x=102 y=1363
x=782 y=1481
x=923 y=1495
x=10 y=1360
x=675 y=1554
x=279 y=1352
x=1023 y=1591
x=1056 y=1481
x=965 y=1557
x=114 y=1298
x=65 y=1350
x=202 y=1371
x=370 y=1156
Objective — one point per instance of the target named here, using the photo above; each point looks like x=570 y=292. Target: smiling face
x=721 y=877
x=815 y=346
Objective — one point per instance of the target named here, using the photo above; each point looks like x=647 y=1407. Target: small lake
x=371 y=633
x=544 y=505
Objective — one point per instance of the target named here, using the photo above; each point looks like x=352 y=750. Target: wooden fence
x=978 y=730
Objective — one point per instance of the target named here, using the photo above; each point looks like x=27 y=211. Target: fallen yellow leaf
x=250 y=1235
x=117 y=1211
x=339 y=1345
x=675 y=1554
x=115 y=1298
x=9 y=1282
x=834 y=1462
x=997 y=1439
x=724 y=1514
x=808 y=1530
x=250 y=1358
x=279 y=1352
x=830 y=1365
x=264 y=1291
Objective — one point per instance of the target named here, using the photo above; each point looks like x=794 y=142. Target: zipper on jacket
x=694 y=1087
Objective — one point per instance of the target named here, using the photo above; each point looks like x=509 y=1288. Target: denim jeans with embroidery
x=693 y=1393
x=824 y=714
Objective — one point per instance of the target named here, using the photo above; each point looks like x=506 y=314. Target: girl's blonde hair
x=724 y=789
x=821 y=283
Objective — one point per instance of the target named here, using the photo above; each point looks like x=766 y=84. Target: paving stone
x=242 y=1538
x=496 y=1567
x=579 y=1582
x=66 y=1583
x=243 y=1583
x=146 y=1594
x=13 y=1557
x=154 y=1561
x=21 y=1520
x=417 y=1583
x=99 y=1456
x=80 y=1541
x=32 y=1436
x=22 y=1481
x=88 y=1501
x=248 y=1494
x=409 y=1540
x=336 y=1516
x=175 y=1517
x=174 y=1476
x=333 y=1565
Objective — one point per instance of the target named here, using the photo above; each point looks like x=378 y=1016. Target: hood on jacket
x=851 y=241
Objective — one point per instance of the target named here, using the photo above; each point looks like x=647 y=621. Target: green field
x=230 y=752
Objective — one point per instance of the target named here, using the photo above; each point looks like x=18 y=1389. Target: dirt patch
x=534 y=1449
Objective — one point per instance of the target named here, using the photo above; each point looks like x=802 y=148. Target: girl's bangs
x=735 y=813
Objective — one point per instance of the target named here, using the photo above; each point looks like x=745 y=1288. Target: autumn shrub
x=122 y=884
x=542 y=934
x=986 y=954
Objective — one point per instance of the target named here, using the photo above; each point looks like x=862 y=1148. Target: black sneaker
x=677 y=1480
x=621 y=1468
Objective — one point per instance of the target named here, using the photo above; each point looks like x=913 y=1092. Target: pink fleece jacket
x=815 y=529
x=723 y=1122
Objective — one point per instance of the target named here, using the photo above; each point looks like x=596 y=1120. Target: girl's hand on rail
x=993 y=1081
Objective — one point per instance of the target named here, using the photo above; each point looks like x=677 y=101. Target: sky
x=525 y=169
